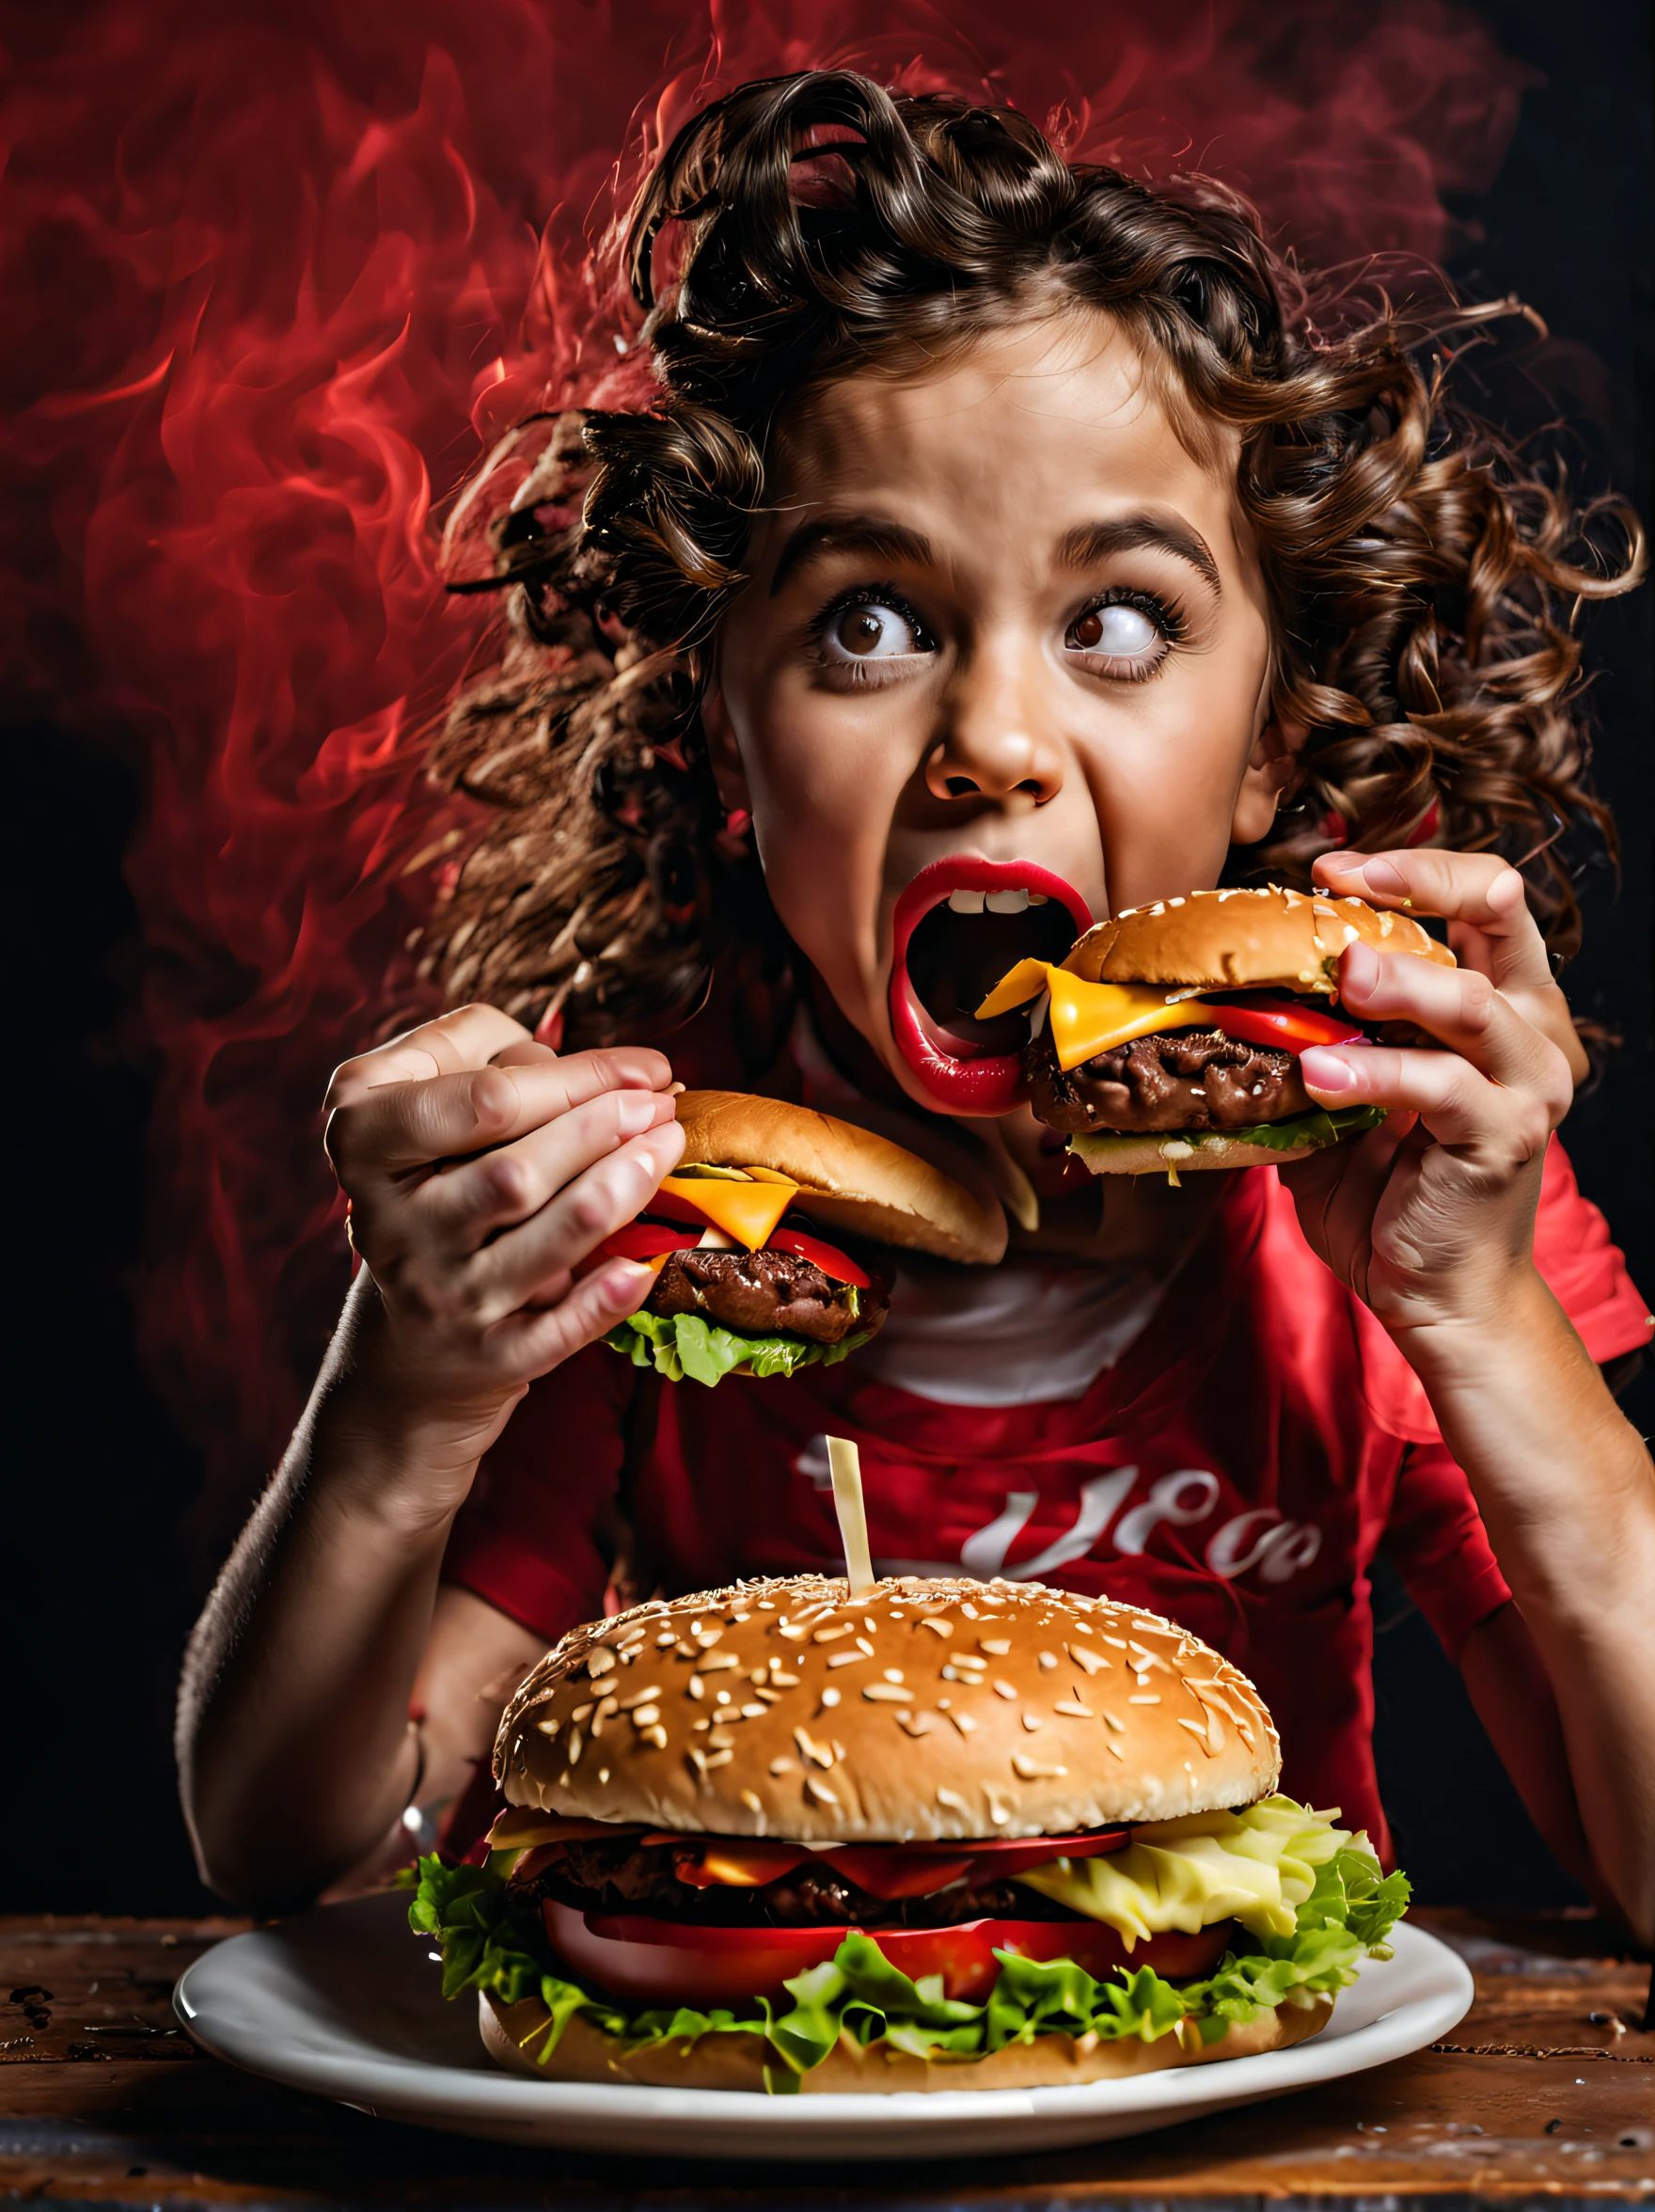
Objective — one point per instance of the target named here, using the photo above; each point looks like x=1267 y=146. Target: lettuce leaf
x=681 y=1345
x=1317 y=1128
x=490 y=1942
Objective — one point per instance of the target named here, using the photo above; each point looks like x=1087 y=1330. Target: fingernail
x=624 y=1282
x=1358 y=970
x=1386 y=877
x=1323 y=1070
x=636 y=1111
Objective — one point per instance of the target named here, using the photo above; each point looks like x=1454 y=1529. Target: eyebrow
x=1097 y=541
x=858 y=533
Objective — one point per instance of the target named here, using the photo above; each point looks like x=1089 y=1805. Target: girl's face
x=1002 y=667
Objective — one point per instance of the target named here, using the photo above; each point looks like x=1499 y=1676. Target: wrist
x=1503 y=1319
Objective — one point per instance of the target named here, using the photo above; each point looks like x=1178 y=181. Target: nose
x=993 y=744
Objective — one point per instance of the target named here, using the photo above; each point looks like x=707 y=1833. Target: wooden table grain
x=1546 y=2090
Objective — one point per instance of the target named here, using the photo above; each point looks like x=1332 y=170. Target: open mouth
x=960 y=925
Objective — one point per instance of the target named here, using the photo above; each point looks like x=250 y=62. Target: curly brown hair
x=1426 y=579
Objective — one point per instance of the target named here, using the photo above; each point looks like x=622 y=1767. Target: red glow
x=272 y=275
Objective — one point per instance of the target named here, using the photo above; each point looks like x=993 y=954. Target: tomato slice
x=1281 y=1022
x=828 y=1257
x=883 y=1870
x=649 y=1961
x=646 y=1240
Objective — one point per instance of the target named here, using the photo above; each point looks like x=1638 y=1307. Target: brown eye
x=1121 y=632
x=869 y=630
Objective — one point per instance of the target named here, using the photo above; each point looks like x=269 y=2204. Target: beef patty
x=625 y=1875
x=1182 y=1078
x=767 y=1294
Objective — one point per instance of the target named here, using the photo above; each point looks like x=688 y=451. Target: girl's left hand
x=1429 y=1218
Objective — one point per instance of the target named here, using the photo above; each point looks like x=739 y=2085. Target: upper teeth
x=996 y=902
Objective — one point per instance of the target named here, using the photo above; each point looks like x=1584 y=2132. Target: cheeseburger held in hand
x=941 y=1834
x=1169 y=1037
x=747 y=1282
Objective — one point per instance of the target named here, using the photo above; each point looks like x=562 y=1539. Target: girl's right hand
x=480 y=1170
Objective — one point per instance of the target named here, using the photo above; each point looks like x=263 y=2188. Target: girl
x=988 y=507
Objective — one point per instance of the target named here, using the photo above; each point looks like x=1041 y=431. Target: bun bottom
x=1162 y=1152
x=585 y=2053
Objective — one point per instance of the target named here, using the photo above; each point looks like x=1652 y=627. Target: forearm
x=1567 y=1494
x=295 y=1747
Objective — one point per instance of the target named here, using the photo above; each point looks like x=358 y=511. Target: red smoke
x=274 y=273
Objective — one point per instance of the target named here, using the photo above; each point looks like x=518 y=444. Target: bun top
x=1243 y=939
x=925 y=1711
x=848 y=1177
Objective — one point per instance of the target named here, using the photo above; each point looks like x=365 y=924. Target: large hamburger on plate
x=944 y=1834
x=1169 y=1037
x=747 y=1280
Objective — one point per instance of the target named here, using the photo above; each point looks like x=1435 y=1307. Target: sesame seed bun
x=1269 y=940
x=897 y=1716
x=585 y=2053
x=848 y=1177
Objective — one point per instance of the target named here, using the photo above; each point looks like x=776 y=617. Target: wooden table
x=1546 y=2090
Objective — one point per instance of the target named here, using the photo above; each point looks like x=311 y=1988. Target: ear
x=723 y=752
x=1272 y=765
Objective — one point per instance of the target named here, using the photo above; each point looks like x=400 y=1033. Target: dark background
x=94 y=1598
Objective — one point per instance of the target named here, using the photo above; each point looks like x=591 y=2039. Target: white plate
x=343 y=2002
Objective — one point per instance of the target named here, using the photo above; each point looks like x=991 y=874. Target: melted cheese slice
x=1088 y=1017
x=746 y=1211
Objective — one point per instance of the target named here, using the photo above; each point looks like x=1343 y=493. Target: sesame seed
x=1031 y=1721
x=1112 y=1750
x=819 y=1790
x=997 y=1646
x=783 y=1766
x=637 y=1697
x=1003 y=1689
x=715 y=1662
x=964 y=1722
x=785 y=1681
x=645 y=1715
x=574 y=1748
x=670 y=1636
x=820 y=1754
x=752 y=1800
x=943 y=1704
x=917 y=1724
x=548 y=1728
x=1048 y=1660
x=581 y=1712
x=886 y=1693
x=848 y=1658
x=600 y=1661
x=720 y=1739
x=952 y=1799
x=1074 y=1707
x=894 y=1674
x=828 y=1635
x=1153 y=1699
x=1113 y=1722
x=1092 y=1661
x=695 y=1687
x=829 y=1696
x=1034 y=1770
x=865 y=1647
x=753 y=1712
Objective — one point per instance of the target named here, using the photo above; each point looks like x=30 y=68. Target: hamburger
x=745 y=1283
x=1169 y=1037
x=942 y=1835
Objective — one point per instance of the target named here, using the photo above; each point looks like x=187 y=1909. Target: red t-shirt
x=1236 y=1468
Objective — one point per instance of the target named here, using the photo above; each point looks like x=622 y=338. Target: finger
x=1479 y=891
x=511 y=1182
x=521 y=1261
x=467 y=1037
x=1462 y=1009
x=1455 y=1101
x=390 y=1128
x=538 y=1338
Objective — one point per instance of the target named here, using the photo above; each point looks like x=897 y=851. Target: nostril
x=959 y=786
x=1031 y=786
